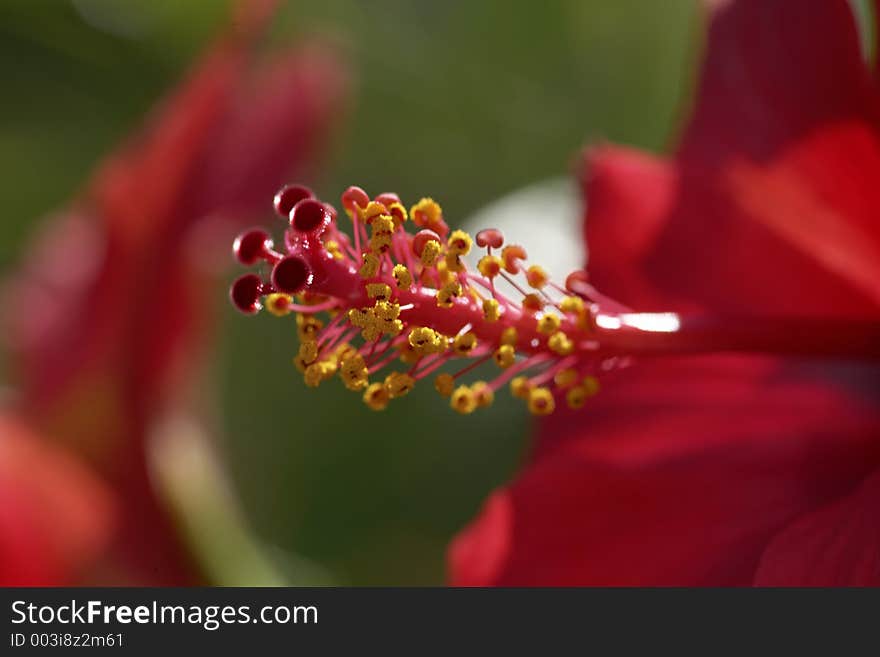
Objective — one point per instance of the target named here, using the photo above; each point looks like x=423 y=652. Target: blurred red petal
x=680 y=475
x=781 y=158
x=629 y=194
x=837 y=545
x=104 y=348
x=55 y=518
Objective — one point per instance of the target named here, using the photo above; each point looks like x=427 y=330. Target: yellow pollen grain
x=559 y=343
x=380 y=242
x=279 y=304
x=509 y=336
x=333 y=249
x=383 y=225
x=520 y=387
x=453 y=263
x=541 y=401
x=576 y=397
x=447 y=294
x=308 y=326
x=566 y=378
x=463 y=344
x=591 y=385
x=491 y=310
x=376 y=397
x=505 y=356
x=308 y=351
x=399 y=384
x=483 y=394
x=572 y=305
x=459 y=243
x=379 y=291
x=444 y=384
x=427 y=214
x=537 y=277
x=549 y=323
x=353 y=371
x=370 y=267
x=490 y=266
x=430 y=253
x=402 y=277
x=463 y=400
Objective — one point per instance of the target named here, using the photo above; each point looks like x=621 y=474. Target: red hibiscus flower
x=116 y=313
x=723 y=469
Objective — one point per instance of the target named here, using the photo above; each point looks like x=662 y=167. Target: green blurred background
x=465 y=101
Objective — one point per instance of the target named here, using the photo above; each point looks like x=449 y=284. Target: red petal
x=629 y=195
x=219 y=147
x=775 y=187
x=722 y=454
x=55 y=519
x=837 y=545
x=97 y=351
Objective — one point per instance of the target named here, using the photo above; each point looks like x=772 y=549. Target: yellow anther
x=445 y=276
x=576 y=397
x=393 y=327
x=299 y=363
x=549 y=323
x=509 y=336
x=386 y=311
x=373 y=210
x=463 y=344
x=560 y=343
x=490 y=266
x=409 y=354
x=308 y=326
x=398 y=212
x=459 y=243
x=376 y=397
x=318 y=372
x=333 y=249
x=591 y=385
x=537 y=277
x=402 y=277
x=279 y=304
x=463 y=400
x=430 y=253
x=491 y=310
x=380 y=242
x=566 y=378
x=483 y=393
x=572 y=305
x=399 y=384
x=447 y=294
x=344 y=351
x=533 y=303
x=444 y=384
x=427 y=341
x=379 y=291
x=358 y=317
x=427 y=214
x=541 y=401
x=520 y=387
x=371 y=332
x=383 y=225
x=353 y=370
x=453 y=263
x=308 y=351
x=505 y=356
x=371 y=265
